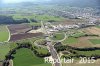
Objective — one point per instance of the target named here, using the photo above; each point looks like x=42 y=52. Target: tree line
x=28 y=45
x=74 y=51
x=10 y=20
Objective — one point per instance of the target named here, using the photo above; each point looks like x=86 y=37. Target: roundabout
x=58 y=37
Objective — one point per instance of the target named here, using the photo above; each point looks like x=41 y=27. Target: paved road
x=53 y=53
x=50 y=46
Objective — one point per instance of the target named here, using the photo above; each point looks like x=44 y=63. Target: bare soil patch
x=84 y=42
x=71 y=21
x=93 y=30
x=24 y=36
x=19 y=28
x=0 y=63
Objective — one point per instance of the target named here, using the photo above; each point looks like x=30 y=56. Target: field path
x=9 y=34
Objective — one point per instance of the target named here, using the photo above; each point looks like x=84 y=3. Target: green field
x=95 y=41
x=78 y=34
x=98 y=26
x=35 y=24
x=4 y=34
x=38 y=17
x=0 y=63
x=58 y=36
x=25 y=57
x=70 y=40
x=42 y=50
x=4 y=50
x=89 y=53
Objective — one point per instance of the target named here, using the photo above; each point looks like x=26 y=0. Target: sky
x=18 y=1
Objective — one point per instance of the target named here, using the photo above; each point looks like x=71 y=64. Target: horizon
x=19 y=1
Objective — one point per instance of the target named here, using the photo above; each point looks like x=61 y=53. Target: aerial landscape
x=49 y=32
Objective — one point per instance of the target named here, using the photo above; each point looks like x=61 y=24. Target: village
x=54 y=28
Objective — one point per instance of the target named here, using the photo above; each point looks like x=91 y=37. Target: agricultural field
x=35 y=23
x=98 y=26
x=83 y=42
x=0 y=63
x=70 y=40
x=4 y=50
x=95 y=41
x=38 y=17
x=70 y=21
x=25 y=57
x=24 y=36
x=72 y=37
x=4 y=33
x=81 y=38
x=93 y=30
x=78 y=34
x=87 y=53
x=19 y=28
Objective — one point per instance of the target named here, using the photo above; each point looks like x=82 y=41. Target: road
x=53 y=53
x=65 y=36
x=51 y=47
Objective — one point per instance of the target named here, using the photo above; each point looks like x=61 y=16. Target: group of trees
x=34 y=20
x=41 y=54
x=75 y=52
x=59 y=47
x=84 y=35
x=41 y=42
x=10 y=20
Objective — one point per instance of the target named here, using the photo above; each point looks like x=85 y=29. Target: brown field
x=24 y=36
x=74 y=21
x=0 y=63
x=71 y=21
x=19 y=28
x=93 y=30
x=84 y=42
